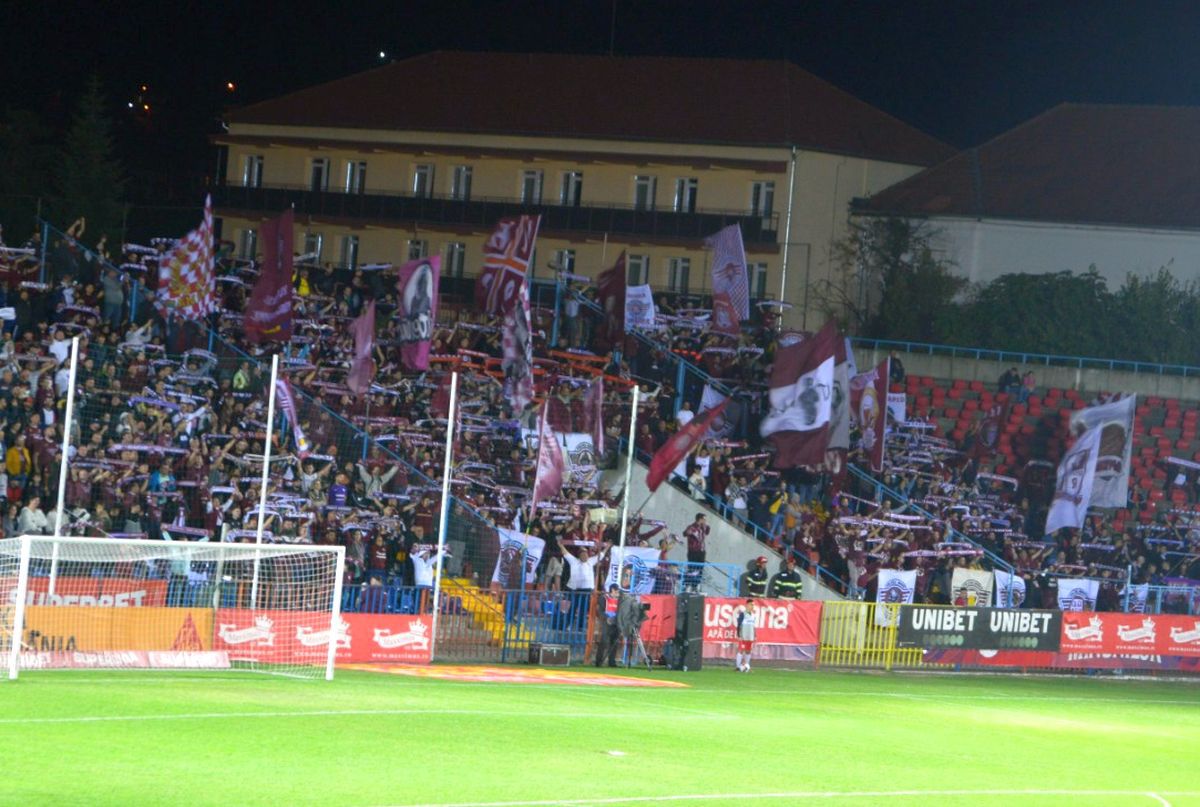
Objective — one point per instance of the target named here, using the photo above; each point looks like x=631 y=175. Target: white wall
x=726 y=543
x=985 y=249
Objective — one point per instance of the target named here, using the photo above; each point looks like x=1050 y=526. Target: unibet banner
x=978 y=628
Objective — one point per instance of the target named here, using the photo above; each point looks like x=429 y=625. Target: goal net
x=102 y=603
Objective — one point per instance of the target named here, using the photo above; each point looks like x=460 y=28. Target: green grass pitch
x=771 y=737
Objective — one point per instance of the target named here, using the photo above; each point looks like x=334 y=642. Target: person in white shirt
x=32 y=520
x=424 y=564
x=744 y=619
x=60 y=348
x=583 y=569
x=697 y=485
x=685 y=414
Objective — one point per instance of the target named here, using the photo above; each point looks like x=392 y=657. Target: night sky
x=961 y=70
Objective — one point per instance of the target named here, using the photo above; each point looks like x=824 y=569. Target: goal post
x=110 y=603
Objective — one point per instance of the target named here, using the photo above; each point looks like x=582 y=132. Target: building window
x=313 y=242
x=356 y=176
x=350 y=251
x=564 y=259
x=252 y=171
x=318 y=174
x=686 y=189
x=531 y=187
x=417 y=249
x=249 y=245
x=644 y=188
x=460 y=183
x=456 y=258
x=637 y=267
x=756 y=275
x=677 y=274
x=572 y=188
x=422 y=182
x=222 y=167
x=762 y=198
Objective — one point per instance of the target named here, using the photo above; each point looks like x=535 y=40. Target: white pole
x=335 y=614
x=620 y=559
x=444 y=516
x=62 y=468
x=787 y=235
x=262 y=493
x=18 y=624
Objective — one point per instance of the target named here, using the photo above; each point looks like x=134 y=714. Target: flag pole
x=443 y=517
x=633 y=410
x=262 y=493
x=68 y=417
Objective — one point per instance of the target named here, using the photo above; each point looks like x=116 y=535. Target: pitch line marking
x=325 y=713
x=810 y=794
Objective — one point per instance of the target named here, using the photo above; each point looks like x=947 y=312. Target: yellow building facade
x=368 y=189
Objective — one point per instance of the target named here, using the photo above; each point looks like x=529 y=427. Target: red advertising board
x=1130 y=634
x=777 y=622
x=289 y=637
x=98 y=592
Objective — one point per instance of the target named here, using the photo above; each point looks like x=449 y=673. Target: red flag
x=868 y=408
x=680 y=445
x=269 y=310
x=439 y=406
x=551 y=467
x=802 y=383
x=187 y=284
x=362 y=369
x=417 y=300
x=506 y=257
x=593 y=409
x=610 y=287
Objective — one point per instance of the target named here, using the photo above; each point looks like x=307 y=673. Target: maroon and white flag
x=506 y=257
x=362 y=368
x=551 y=467
x=187 y=284
x=269 y=310
x=517 y=361
x=801 y=396
x=731 y=288
x=417 y=310
x=287 y=404
x=610 y=288
x=676 y=449
x=593 y=413
x=868 y=408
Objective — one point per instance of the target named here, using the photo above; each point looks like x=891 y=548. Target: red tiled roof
x=1076 y=163
x=715 y=101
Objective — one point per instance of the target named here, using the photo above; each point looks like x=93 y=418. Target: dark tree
x=89 y=180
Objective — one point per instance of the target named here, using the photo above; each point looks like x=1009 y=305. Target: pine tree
x=89 y=179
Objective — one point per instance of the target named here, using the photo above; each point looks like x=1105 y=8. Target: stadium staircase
x=487 y=611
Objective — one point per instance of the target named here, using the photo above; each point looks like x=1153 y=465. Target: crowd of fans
x=170 y=421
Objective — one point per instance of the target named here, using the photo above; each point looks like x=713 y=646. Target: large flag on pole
x=1115 y=422
x=269 y=310
x=362 y=368
x=417 y=290
x=868 y=408
x=1073 y=489
x=610 y=293
x=731 y=289
x=186 y=279
x=675 y=450
x=839 y=407
x=517 y=343
x=801 y=396
x=287 y=404
x=506 y=257
x=551 y=467
x=593 y=409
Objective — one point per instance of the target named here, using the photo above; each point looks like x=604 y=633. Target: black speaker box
x=689 y=617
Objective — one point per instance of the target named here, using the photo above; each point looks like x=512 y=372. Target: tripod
x=639 y=647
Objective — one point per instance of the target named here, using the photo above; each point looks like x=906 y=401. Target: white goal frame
x=61 y=550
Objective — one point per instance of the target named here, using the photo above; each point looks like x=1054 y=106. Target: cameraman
x=610 y=635
x=630 y=616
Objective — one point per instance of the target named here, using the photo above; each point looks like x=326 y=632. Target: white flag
x=639 y=308
x=895 y=588
x=1114 y=421
x=973 y=586
x=1077 y=593
x=639 y=560
x=1073 y=490
x=1010 y=589
x=897 y=404
x=515 y=548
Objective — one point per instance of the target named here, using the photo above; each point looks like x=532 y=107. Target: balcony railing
x=482 y=212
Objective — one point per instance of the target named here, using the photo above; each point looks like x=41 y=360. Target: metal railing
x=1020 y=357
